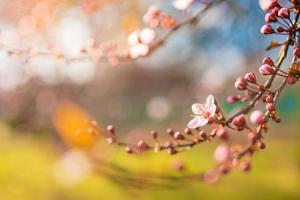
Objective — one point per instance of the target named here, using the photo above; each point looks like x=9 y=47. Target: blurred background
x=43 y=101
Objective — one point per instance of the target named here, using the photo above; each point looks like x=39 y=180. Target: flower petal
x=182 y=4
x=197 y=122
x=198 y=109
x=210 y=100
x=212 y=110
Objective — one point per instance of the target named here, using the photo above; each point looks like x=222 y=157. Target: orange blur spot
x=75 y=127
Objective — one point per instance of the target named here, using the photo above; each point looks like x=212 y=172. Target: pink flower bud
x=224 y=169
x=277 y=119
x=222 y=133
x=267 y=29
x=178 y=136
x=133 y=38
x=239 y=121
x=178 y=165
x=284 y=13
x=151 y=16
x=111 y=129
x=245 y=166
x=240 y=84
x=172 y=151
x=291 y=80
x=170 y=132
x=268 y=60
x=269 y=99
x=261 y=145
x=296 y=52
x=257 y=117
x=202 y=135
x=250 y=77
x=235 y=162
x=275 y=11
x=147 y=36
x=129 y=150
x=280 y=29
x=154 y=11
x=222 y=153
x=142 y=145
x=266 y=70
x=270 y=107
x=251 y=137
x=211 y=176
x=154 y=134
x=188 y=131
x=270 y=18
x=232 y=99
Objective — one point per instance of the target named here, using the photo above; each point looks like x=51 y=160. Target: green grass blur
x=27 y=165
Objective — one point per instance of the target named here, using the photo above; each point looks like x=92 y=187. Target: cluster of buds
x=281 y=16
x=171 y=141
x=104 y=51
x=96 y=52
x=252 y=87
x=292 y=74
x=209 y=113
x=252 y=123
x=155 y=18
x=249 y=85
x=139 y=42
x=268 y=67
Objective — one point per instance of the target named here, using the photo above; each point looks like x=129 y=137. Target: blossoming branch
x=252 y=120
x=159 y=26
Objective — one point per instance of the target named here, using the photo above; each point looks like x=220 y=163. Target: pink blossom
x=202 y=112
x=152 y=13
x=139 y=41
x=182 y=4
x=267 y=4
x=147 y=35
x=138 y=50
x=133 y=38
